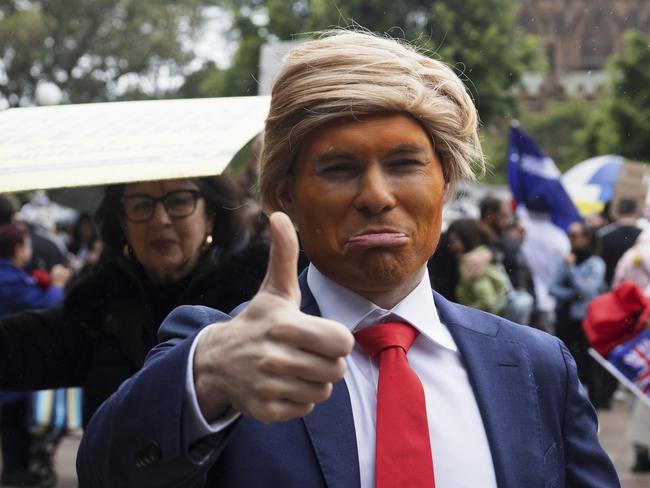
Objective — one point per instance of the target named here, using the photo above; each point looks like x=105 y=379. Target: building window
x=596 y=43
x=550 y=55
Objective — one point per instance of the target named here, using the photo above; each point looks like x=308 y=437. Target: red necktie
x=403 y=456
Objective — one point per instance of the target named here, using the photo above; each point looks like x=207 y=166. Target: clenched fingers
x=289 y=361
x=275 y=411
x=325 y=337
x=293 y=389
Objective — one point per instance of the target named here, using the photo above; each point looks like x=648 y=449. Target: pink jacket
x=634 y=265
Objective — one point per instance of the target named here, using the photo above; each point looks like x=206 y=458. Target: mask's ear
x=448 y=192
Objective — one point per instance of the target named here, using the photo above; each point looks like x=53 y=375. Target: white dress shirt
x=459 y=446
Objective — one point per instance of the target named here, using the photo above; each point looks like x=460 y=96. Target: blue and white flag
x=630 y=364
x=545 y=210
x=535 y=181
x=633 y=360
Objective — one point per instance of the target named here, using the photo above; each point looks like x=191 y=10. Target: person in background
x=19 y=291
x=7 y=209
x=85 y=244
x=517 y=231
x=166 y=243
x=613 y=240
x=544 y=250
x=364 y=139
x=23 y=291
x=619 y=236
x=577 y=281
x=46 y=253
x=634 y=266
x=486 y=291
x=496 y=219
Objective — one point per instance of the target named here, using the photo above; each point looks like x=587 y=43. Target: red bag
x=615 y=317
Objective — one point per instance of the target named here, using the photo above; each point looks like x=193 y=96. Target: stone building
x=577 y=37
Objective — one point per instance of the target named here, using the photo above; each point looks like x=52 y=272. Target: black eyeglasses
x=178 y=204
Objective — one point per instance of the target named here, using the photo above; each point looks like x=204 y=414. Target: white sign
x=120 y=142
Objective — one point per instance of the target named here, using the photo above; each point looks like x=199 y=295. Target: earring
x=127 y=251
x=207 y=243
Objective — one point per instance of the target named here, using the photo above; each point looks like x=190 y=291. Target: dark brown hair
x=469 y=231
x=10 y=236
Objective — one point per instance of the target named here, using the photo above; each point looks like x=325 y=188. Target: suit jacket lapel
x=501 y=376
x=500 y=373
x=331 y=425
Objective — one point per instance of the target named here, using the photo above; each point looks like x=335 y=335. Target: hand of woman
x=475 y=262
x=60 y=275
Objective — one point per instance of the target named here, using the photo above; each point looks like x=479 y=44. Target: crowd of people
x=124 y=270
x=120 y=259
x=361 y=171
x=151 y=247
x=482 y=263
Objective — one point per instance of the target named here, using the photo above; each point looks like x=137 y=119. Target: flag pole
x=619 y=376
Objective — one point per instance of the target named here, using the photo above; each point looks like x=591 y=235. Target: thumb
x=282 y=271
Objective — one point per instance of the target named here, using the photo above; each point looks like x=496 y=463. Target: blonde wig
x=355 y=74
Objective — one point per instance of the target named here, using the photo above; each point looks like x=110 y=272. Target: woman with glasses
x=166 y=243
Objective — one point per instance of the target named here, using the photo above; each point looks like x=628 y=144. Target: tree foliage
x=557 y=130
x=620 y=123
x=477 y=37
x=94 y=50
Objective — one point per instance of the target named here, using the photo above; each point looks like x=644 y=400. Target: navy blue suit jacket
x=540 y=426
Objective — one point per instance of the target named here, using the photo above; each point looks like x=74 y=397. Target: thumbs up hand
x=271 y=362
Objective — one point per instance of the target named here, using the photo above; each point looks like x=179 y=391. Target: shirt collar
x=356 y=312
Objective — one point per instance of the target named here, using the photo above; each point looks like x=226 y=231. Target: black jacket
x=101 y=334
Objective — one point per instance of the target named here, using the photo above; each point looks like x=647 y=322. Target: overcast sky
x=212 y=44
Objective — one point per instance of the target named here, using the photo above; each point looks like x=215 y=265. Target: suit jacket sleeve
x=587 y=465
x=137 y=437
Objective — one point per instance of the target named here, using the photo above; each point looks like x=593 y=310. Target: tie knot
x=375 y=339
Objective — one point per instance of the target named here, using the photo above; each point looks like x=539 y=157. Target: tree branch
x=97 y=17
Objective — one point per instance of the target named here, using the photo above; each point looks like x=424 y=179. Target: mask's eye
x=405 y=164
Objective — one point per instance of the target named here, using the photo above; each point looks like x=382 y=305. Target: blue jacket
x=576 y=286
x=540 y=426
x=19 y=291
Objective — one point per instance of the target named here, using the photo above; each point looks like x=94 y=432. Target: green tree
x=477 y=37
x=620 y=123
x=94 y=49
x=557 y=130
